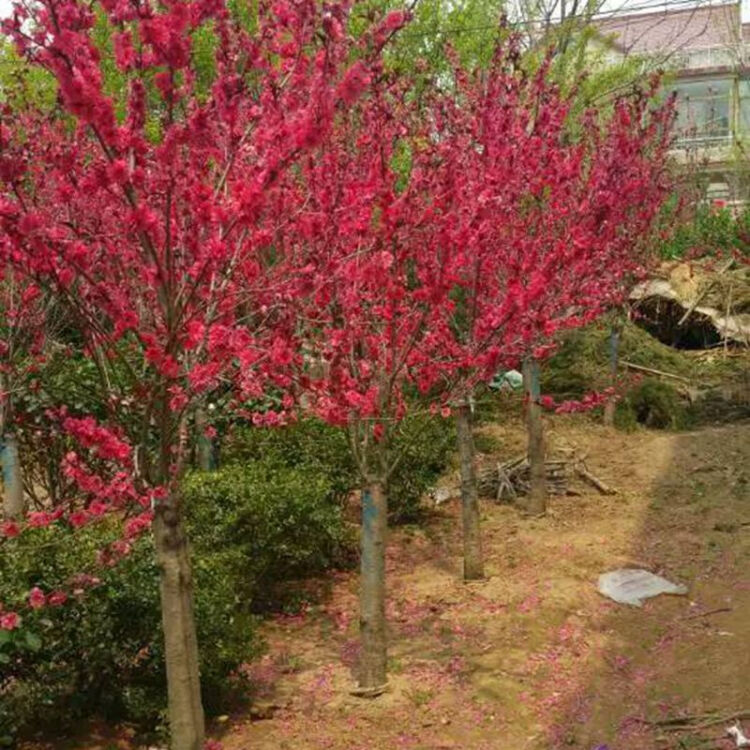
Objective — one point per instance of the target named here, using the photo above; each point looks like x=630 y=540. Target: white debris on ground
x=703 y=289
x=736 y=733
x=511 y=380
x=441 y=495
x=632 y=586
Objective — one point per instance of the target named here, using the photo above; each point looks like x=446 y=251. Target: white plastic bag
x=632 y=586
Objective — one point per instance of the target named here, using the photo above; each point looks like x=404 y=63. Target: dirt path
x=534 y=657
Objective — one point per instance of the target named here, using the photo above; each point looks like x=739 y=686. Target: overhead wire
x=664 y=6
x=622 y=12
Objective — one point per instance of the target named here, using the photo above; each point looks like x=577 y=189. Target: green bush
x=626 y=420
x=311 y=444
x=654 y=404
x=424 y=442
x=101 y=652
x=251 y=526
x=711 y=231
x=274 y=523
x=64 y=377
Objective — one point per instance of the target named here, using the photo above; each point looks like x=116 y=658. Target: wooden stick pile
x=505 y=481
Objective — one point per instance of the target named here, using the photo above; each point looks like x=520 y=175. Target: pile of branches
x=505 y=481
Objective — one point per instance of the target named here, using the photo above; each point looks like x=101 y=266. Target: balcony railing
x=704 y=141
x=705 y=58
x=714 y=133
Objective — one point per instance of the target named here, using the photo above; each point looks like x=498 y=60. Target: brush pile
x=697 y=305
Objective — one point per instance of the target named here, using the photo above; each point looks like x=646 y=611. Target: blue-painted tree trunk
x=374 y=654
x=472 y=538
x=614 y=349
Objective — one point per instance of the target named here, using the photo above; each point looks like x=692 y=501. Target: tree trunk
x=614 y=355
x=536 y=501
x=203 y=445
x=473 y=562
x=186 y=721
x=13 y=500
x=372 y=674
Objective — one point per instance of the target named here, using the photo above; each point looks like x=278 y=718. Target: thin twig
x=651 y=371
x=698 y=721
x=716 y=611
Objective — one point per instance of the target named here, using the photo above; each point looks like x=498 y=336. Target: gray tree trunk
x=473 y=560
x=374 y=654
x=13 y=498
x=186 y=722
x=614 y=359
x=536 y=501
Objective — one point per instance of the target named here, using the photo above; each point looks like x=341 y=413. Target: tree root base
x=369 y=692
x=476 y=579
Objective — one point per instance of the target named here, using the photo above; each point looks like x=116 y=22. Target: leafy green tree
x=24 y=85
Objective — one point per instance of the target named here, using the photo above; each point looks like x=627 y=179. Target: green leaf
x=33 y=641
x=4 y=636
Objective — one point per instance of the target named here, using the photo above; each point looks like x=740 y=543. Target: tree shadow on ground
x=676 y=657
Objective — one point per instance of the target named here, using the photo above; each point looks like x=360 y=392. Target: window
x=703 y=108
x=744 y=118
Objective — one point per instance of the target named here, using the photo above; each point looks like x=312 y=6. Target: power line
x=665 y=7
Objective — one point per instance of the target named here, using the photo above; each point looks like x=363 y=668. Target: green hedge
x=274 y=523
x=251 y=527
x=101 y=653
x=309 y=444
x=424 y=442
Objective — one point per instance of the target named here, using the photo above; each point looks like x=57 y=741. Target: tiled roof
x=672 y=30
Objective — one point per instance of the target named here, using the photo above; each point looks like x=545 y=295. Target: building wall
x=705 y=51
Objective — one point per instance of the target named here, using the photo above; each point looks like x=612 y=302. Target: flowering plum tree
x=375 y=312
x=551 y=220
x=148 y=209
x=444 y=242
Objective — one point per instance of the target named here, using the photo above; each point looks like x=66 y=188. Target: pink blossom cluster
x=588 y=402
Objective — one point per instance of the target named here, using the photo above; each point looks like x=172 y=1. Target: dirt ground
x=534 y=657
